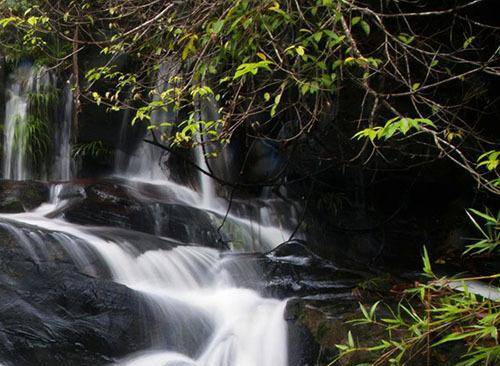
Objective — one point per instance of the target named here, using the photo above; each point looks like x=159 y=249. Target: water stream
x=214 y=321
x=32 y=123
x=62 y=170
x=25 y=82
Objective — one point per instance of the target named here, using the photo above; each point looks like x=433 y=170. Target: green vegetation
x=34 y=138
x=282 y=66
x=440 y=314
x=379 y=86
x=93 y=149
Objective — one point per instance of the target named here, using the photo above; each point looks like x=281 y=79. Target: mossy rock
x=22 y=196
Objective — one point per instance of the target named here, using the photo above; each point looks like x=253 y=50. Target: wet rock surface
x=322 y=297
x=23 y=196
x=108 y=203
x=292 y=270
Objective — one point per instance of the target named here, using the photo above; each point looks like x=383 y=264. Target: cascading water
x=146 y=162
x=197 y=284
x=26 y=80
x=261 y=224
x=62 y=165
x=121 y=157
x=16 y=112
x=213 y=321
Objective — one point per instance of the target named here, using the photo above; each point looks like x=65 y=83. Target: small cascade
x=121 y=156
x=62 y=170
x=207 y=185
x=146 y=163
x=25 y=84
x=261 y=224
x=194 y=287
x=208 y=111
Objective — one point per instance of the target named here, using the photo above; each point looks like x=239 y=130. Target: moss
x=18 y=197
x=11 y=206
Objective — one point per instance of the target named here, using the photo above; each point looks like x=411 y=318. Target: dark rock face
x=23 y=196
x=292 y=270
x=108 y=203
x=302 y=345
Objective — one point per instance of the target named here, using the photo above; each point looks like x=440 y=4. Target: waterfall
x=208 y=111
x=121 y=157
x=207 y=184
x=62 y=164
x=264 y=222
x=146 y=162
x=213 y=320
x=195 y=287
x=28 y=112
x=16 y=114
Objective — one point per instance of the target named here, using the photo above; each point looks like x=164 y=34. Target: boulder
x=292 y=270
x=52 y=313
x=321 y=296
x=22 y=196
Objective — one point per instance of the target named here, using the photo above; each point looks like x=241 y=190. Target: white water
x=146 y=163
x=259 y=225
x=25 y=80
x=246 y=329
x=207 y=184
x=261 y=232
x=62 y=164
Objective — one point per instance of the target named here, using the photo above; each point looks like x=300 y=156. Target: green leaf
x=32 y=21
x=342 y=347
x=350 y=340
x=468 y=41
x=365 y=26
x=427 y=263
x=6 y=21
x=483 y=215
x=217 y=26
x=373 y=309
x=277 y=101
x=317 y=36
x=404 y=125
x=364 y=311
x=456 y=337
x=251 y=68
